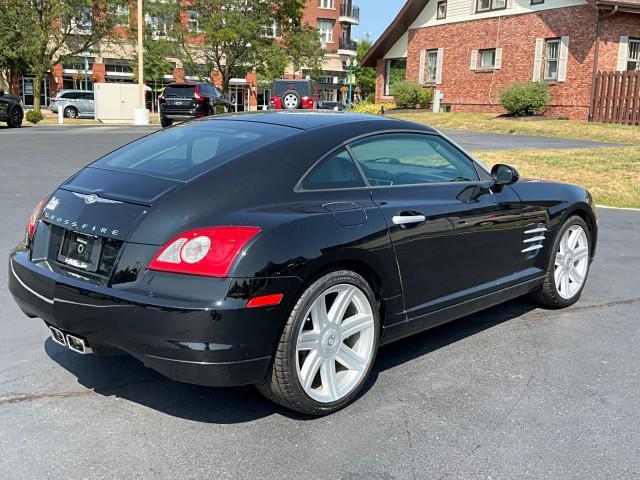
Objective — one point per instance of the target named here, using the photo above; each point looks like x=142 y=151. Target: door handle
x=408 y=219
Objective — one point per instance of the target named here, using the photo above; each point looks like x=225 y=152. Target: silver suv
x=74 y=103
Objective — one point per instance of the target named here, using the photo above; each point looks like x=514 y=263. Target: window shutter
x=474 y=60
x=537 y=61
x=564 y=59
x=498 y=64
x=439 y=65
x=423 y=57
x=509 y=3
x=623 y=54
x=473 y=6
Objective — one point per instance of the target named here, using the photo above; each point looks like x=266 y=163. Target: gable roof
x=398 y=27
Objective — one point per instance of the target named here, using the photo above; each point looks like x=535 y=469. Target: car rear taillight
x=208 y=252
x=35 y=216
x=161 y=98
x=196 y=95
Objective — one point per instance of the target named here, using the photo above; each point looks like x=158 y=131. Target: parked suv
x=182 y=101
x=74 y=103
x=293 y=94
x=11 y=110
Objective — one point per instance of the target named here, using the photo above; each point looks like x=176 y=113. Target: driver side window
x=412 y=159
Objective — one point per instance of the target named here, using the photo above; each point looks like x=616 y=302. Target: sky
x=375 y=17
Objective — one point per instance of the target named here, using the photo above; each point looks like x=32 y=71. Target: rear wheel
x=568 y=267
x=327 y=348
x=15 y=118
x=165 y=122
x=71 y=112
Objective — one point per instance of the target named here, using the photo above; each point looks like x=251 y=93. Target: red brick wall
x=467 y=90
x=312 y=12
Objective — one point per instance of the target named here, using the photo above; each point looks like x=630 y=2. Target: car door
x=87 y=104
x=455 y=233
x=4 y=105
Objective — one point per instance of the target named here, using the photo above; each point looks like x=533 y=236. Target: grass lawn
x=52 y=119
x=612 y=175
x=487 y=122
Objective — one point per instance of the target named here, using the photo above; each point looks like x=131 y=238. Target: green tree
x=13 y=51
x=365 y=76
x=56 y=30
x=234 y=36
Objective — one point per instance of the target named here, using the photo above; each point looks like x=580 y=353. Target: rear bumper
x=220 y=343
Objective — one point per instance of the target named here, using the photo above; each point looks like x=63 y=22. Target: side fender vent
x=534 y=237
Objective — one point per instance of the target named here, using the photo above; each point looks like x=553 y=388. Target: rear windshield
x=181 y=153
x=303 y=88
x=179 y=91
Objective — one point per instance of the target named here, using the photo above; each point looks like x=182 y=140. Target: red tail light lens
x=161 y=98
x=197 y=96
x=208 y=252
x=35 y=216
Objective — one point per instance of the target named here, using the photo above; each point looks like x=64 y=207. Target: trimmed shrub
x=522 y=99
x=426 y=98
x=370 y=108
x=407 y=94
x=33 y=117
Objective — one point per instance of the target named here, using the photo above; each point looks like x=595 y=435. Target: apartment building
x=471 y=49
x=114 y=61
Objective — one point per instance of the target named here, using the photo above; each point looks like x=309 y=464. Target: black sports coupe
x=283 y=248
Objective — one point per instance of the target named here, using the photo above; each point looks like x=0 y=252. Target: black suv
x=11 y=110
x=183 y=101
x=293 y=94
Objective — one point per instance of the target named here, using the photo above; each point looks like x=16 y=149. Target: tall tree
x=233 y=36
x=57 y=30
x=365 y=76
x=13 y=51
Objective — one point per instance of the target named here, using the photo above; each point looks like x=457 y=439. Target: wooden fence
x=617 y=98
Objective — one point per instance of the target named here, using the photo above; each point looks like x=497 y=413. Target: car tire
x=291 y=100
x=568 y=267
x=15 y=118
x=70 y=112
x=296 y=361
x=165 y=122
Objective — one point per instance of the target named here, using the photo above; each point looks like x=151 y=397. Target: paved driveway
x=513 y=392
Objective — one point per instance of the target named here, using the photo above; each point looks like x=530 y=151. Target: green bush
x=371 y=98
x=370 y=108
x=426 y=98
x=406 y=94
x=33 y=117
x=522 y=99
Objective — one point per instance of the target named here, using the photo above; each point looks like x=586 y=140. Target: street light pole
x=140 y=114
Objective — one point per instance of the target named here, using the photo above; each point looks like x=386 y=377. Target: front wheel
x=165 y=122
x=327 y=348
x=568 y=266
x=15 y=118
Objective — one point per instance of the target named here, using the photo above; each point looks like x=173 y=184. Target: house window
x=159 y=26
x=120 y=13
x=325 y=27
x=442 y=10
x=272 y=30
x=326 y=3
x=488 y=58
x=537 y=2
x=194 y=26
x=488 y=5
x=395 y=71
x=633 y=59
x=432 y=65
x=551 y=59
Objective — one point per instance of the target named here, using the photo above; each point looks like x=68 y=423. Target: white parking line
x=619 y=208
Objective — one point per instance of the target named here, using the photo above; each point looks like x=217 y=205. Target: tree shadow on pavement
x=127 y=378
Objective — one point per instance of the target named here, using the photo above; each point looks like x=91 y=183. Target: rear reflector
x=265 y=300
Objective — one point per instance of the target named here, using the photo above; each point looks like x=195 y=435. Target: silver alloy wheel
x=290 y=101
x=335 y=343
x=572 y=262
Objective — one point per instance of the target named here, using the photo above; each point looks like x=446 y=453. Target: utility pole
x=140 y=114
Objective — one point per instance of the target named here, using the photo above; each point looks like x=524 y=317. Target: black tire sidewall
x=68 y=110
x=10 y=120
x=298 y=316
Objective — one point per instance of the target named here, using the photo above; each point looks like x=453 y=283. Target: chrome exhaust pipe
x=57 y=336
x=78 y=345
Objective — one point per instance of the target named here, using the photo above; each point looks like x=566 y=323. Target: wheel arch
x=586 y=213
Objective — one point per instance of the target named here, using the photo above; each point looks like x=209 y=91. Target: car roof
x=314 y=119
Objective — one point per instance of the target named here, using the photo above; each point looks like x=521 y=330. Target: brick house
x=471 y=49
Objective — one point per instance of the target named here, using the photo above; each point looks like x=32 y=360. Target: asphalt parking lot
x=513 y=392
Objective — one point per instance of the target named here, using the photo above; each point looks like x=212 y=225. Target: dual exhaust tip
x=77 y=344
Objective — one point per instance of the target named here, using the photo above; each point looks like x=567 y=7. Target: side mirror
x=504 y=174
